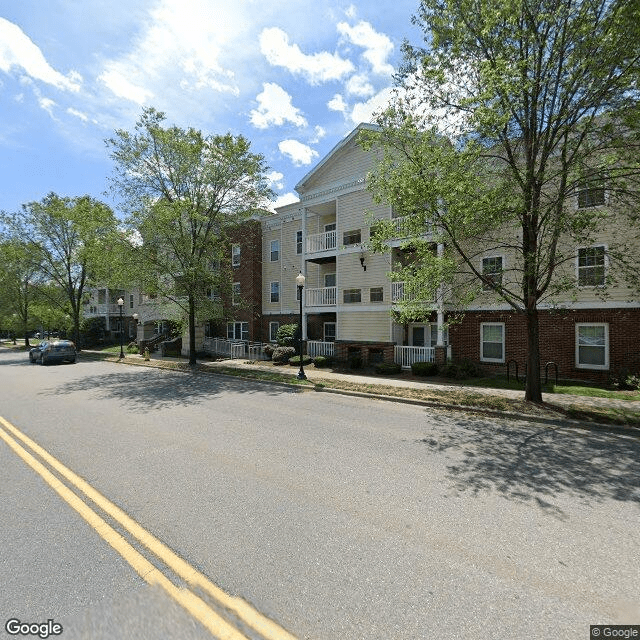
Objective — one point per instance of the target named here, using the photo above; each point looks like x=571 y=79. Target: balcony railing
x=400 y=230
x=403 y=292
x=324 y=297
x=406 y=356
x=103 y=309
x=318 y=242
x=319 y=348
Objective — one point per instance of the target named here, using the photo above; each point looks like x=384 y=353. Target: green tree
x=17 y=273
x=510 y=111
x=182 y=191
x=69 y=240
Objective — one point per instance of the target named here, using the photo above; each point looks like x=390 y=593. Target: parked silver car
x=48 y=352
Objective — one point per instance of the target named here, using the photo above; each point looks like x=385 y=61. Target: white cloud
x=351 y=11
x=47 y=104
x=78 y=114
x=300 y=154
x=359 y=85
x=286 y=198
x=275 y=179
x=319 y=133
x=337 y=103
x=123 y=88
x=317 y=67
x=378 y=47
x=275 y=107
x=18 y=50
x=364 y=111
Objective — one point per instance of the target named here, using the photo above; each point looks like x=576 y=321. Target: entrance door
x=418 y=336
x=331 y=239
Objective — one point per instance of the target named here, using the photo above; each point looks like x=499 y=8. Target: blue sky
x=294 y=76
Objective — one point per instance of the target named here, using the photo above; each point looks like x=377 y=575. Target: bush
x=461 y=370
x=322 y=361
x=268 y=350
x=389 y=368
x=424 y=368
x=625 y=380
x=295 y=360
x=132 y=347
x=281 y=355
x=286 y=336
x=355 y=361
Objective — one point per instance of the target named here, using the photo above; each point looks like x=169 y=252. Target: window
x=275 y=292
x=351 y=237
x=131 y=301
x=492 y=271
x=213 y=293
x=330 y=235
x=275 y=250
x=352 y=295
x=235 y=255
x=235 y=293
x=492 y=342
x=238 y=330
x=433 y=329
x=329 y=332
x=591 y=192
x=591 y=266
x=329 y=279
x=209 y=329
x=273 y=331
x=298 y=242
x=376 y=294
x=592 y=346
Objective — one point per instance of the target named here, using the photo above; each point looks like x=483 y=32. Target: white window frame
x=298 y=239
x=235 y=255
x=277 y=292
x=352 y=234
x=381 y=289
x=273 y=331
x=605 y=266
x=235 y=293
x=482 y=341
x=276 y=251
x=335 y=279
x=231 y=329
x=352 y=292
x=592 y=184
x=600 y=367
x=486 y=287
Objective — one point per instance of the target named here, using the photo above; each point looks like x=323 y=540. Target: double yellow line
x=220 y=628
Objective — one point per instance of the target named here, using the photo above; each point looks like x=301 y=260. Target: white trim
x=482 y=341
x=272 y=332
x=233 y=293
x=271 y=301
x=502 y=269
x=593 y=305
x=233 y=255
x=335 y=330
x=277 y=251
x=606 y=266
x=600 y=367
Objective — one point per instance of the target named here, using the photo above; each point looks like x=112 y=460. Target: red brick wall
x=557 y=340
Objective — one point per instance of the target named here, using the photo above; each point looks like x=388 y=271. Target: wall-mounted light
x=362 y=264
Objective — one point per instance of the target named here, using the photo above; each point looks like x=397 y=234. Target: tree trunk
x=192 y=331
x=533 y=390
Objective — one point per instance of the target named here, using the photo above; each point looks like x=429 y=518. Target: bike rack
x=508 y=368
x=546 y=371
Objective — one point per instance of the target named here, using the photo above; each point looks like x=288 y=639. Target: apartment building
x=102 y=303
x=349 y=298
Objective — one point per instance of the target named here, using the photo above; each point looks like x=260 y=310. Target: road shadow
x=536 y=463
x=160 y=389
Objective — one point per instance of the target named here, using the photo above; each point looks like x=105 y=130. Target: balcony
x=319 y=242
x=93 y=310
x=323 y=297
x=401 y=292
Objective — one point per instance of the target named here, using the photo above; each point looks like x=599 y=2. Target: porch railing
x=324 y=297
x=319 y=348
x=224 y=347
x=406 y=356
x=317 y=242
x=403 y=292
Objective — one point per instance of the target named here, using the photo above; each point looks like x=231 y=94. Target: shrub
x=389 y=368
x=355 y=361
x=424 y=368
x=132 y=347
x=461 y=370
x=295 y=360
x=625 y=380
x=322 y=361
x=286 y=336
x=281 y=355
x=268 y=350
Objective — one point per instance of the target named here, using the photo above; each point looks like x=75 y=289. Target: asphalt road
x=336 y=517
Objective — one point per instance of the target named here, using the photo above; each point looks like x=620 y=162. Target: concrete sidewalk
x=325 y=376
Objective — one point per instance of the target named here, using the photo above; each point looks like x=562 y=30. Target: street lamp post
x=121 y=304
x=300 y=282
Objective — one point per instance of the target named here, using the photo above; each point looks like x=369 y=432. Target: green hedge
x=389 y=368
x=424 y=368
x=295 y=360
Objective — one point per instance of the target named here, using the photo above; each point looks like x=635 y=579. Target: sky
x=293 y=76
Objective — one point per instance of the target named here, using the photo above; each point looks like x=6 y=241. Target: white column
x=303 y=270
x=440 y=303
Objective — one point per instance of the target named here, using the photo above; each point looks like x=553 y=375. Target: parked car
x=56 y=351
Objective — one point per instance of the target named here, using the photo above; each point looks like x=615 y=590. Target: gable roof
x=346 y=141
